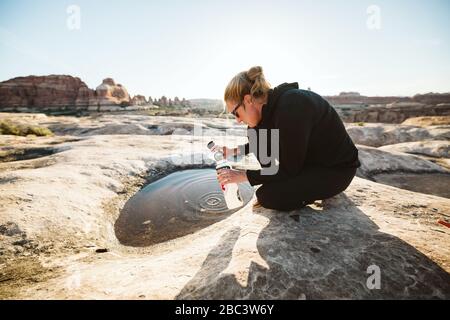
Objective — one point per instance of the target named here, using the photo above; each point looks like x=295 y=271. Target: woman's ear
x=248 y=99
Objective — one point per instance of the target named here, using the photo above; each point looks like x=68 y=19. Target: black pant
x=313 y=183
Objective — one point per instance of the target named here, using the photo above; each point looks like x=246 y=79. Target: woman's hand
x=226 y=176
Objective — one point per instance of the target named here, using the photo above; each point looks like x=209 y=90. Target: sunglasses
x=234 y=111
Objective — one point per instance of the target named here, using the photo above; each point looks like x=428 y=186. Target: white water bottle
x=230 y=190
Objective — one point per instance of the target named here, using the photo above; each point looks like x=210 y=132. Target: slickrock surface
x=58 y=208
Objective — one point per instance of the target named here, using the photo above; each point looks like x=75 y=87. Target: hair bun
x=254 y=73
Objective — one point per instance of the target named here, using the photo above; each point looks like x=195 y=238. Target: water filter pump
x=230 y=190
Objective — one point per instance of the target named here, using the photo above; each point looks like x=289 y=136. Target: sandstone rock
x=357 y=108
x=44 y=92
x=121 y=129
x=110 y=93
x=437 y=149
x=109 y=82
x=325 y=250
x=138 y=100
x=393 y=113
x=430 y=183
x=355 y=98
x=427 y=121
x=60 y=92
x=86 y=97
x=376 y=134
x=432 y=98
x=376 y=161
x=103 y=108
x=406 y=104
x=94 y=108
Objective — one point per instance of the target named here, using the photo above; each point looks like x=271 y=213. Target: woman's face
x=245 y=111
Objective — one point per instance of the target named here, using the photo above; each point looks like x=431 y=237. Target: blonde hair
x=250 y=82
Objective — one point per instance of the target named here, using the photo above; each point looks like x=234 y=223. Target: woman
x=317 y=158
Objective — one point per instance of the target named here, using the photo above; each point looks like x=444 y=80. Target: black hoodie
x=311 y=133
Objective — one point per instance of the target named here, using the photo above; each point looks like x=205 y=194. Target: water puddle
x=178 y=204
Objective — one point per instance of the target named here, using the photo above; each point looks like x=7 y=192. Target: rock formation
x=168 y=102
x=396 y=112
x=63 y=92
x=110 y=93
x=377 y=134
x=353 y=107
x=354 y=98
x=432 y=98
x=52 y=92
x=436 y=149
x=139 y=100
x=427 y=121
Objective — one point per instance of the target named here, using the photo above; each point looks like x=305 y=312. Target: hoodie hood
x=272 y=101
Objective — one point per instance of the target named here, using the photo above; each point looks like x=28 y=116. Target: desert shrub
x=7 y=127
x=39 y=131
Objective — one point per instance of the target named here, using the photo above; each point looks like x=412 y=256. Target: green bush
x=361 y=124
x=7 y=127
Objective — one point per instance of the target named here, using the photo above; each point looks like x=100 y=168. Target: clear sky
x=192 y=48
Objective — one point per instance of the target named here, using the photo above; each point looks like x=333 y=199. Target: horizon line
x=216 y=98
